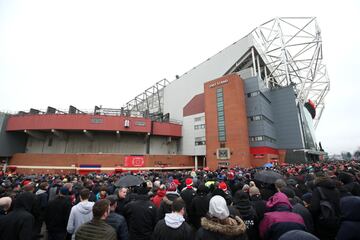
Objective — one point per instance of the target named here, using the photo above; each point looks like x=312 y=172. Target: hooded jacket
x=173 y=227
x=227 y=229
x=200 y=205
x=350 y=221
x=280 y=219
x=19 y=223
x=332 y=194
x=159 y=197
x=80 y=213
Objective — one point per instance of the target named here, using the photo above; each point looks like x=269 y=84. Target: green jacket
x=95 y=229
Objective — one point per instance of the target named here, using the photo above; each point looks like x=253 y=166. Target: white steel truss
x=291 y=48
x=148 y=103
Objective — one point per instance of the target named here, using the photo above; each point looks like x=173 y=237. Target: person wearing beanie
x=222 y=190
x=141 y=215
x=188 y=194
x=173 y=226
x=218 y=224
x=200 y=204
x=247 y=213
x=160 y=194
x=170 y=196
x=279 y=219
x=57 y=214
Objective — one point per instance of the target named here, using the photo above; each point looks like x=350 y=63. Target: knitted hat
x=176 y=181
x=246 y=188
x=171 y=187
x=189 y=182
x=218 y=207
x=64 y=191
x=223 y=186
x=254 y=191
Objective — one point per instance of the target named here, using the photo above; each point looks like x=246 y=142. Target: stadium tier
x=257 y=101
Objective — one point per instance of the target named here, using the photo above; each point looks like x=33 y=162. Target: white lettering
x=218 y=83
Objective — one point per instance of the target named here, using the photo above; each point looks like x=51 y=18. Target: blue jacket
x=350 y=221
x=118 y=222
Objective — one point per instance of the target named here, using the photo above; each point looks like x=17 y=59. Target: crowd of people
x=306 y=201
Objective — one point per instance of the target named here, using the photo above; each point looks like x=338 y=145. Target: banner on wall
x=134 y=161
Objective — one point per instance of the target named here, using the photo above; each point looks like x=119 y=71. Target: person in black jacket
x=57 y=215
x=257 y=202
x=117 y=221
x=42 y=202
x=247 y=213
x=200 y=204
x=141 y=215
x=19 y=223
x=173 y=226
x=187 y=194
x=328 y=187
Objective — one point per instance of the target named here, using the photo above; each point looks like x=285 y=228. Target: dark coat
x=330 y=191
x=248 y=214
x=187 y=195
x=94 y=230
x=141 y=217
x=350 y=221
x=306 y=215
x=164 y=232
x=200 y=206
x=259 y=206
x=121 y=205
x=57 y=214
x=228 y=229
x=118 y=222
x=19 y=223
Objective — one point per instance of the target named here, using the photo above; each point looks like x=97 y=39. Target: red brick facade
x=237 y=139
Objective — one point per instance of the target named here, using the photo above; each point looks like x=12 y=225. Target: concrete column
x=196 y=163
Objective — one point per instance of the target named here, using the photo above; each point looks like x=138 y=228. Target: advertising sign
x=134 y=161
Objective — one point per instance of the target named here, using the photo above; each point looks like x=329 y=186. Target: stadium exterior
x=256 y=101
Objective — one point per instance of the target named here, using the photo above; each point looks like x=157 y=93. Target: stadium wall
x=28 y=163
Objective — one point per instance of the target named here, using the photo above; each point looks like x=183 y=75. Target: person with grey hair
x=279 y=184
x=218 y=224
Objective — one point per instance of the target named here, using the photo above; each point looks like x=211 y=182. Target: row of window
x=200 y=143
x=220 y=114
x=259 y=118
x=261 y=138
x=257 y=93
x=199 y=119
x=199 y=126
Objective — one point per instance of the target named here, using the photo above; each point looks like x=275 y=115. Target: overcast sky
x=87 y=53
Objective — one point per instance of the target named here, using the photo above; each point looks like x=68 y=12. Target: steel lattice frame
x=292 y=50
x=150 y=101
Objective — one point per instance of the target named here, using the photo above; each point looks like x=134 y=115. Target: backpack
x=327 y=215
